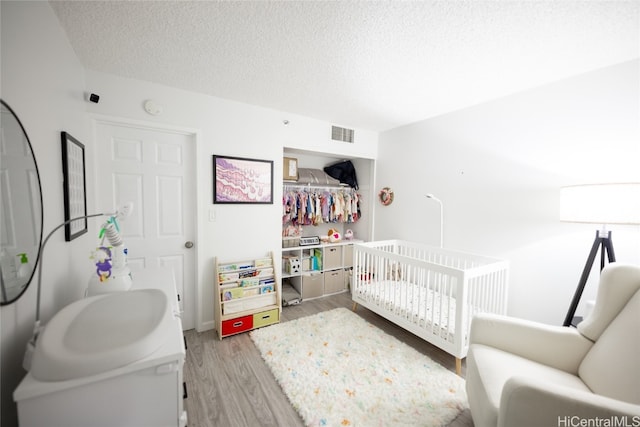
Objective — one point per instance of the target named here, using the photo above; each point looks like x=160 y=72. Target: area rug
x=337 y=369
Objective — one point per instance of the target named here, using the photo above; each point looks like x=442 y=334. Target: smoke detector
x=152 y=107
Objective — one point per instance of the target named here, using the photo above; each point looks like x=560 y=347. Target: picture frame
x=240 y=180
x=75 y=186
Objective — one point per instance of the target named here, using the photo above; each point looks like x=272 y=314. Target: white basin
x=101 y=333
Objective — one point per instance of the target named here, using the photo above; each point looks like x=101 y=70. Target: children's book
x=232 y=293
x=251 y=292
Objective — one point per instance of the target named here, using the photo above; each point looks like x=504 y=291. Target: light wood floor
x=229 y=384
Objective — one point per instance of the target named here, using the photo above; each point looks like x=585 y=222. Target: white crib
x=431 y=292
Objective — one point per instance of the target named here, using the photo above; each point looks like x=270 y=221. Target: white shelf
x=335 y=259
x=240 y=303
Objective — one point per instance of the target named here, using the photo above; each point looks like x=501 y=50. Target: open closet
x=321 y=219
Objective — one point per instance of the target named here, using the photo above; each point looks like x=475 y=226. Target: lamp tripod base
x=603 y=242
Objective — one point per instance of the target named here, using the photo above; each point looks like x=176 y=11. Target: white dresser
x=148 y=392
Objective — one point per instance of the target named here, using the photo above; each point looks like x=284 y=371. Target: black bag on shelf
x=344 y=172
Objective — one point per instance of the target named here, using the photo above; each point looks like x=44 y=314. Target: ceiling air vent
x=341 y=134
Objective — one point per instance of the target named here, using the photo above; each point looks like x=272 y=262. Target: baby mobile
x=111 y=259
x=102 y=255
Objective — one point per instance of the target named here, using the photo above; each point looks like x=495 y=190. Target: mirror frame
x=35 y=163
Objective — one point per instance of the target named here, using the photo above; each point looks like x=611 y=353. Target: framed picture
x=75 y=187
x=240 y=180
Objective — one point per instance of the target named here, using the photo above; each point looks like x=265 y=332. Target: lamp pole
x=432 y=197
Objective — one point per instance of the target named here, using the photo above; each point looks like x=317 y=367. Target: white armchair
x=521 y=373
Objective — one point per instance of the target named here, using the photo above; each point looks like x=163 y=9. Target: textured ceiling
x=364 y=64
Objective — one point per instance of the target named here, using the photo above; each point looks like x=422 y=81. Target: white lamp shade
x=601 y=203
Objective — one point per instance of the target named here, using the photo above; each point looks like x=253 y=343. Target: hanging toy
x=110 y=258
x=111 y=231
x=102 y=256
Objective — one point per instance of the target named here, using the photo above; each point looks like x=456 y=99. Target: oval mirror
x=20 y=208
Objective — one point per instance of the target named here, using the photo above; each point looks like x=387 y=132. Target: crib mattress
x=417 y=303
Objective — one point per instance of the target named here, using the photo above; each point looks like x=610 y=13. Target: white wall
x=498 y=168
x=43 y=83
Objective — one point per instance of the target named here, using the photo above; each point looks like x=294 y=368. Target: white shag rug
x=339 y=370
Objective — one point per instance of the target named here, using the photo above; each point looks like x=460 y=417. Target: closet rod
x=317 y=187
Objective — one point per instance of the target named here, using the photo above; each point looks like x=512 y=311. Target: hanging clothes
x=314 y=206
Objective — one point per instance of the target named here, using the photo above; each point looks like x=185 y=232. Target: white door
x=155 y=169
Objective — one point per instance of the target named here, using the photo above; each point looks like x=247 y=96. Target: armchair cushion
x=555 y=346
x=490 y=369
x=618 y=283
x=531 y=402
x=611 y=368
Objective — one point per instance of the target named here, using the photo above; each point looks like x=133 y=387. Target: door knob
x=188 y=245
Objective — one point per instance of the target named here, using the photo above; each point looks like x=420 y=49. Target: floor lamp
x=603 y=204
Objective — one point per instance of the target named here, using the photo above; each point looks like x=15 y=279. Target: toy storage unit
x=318 y=270
x=247 y=295
x=147 y=392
